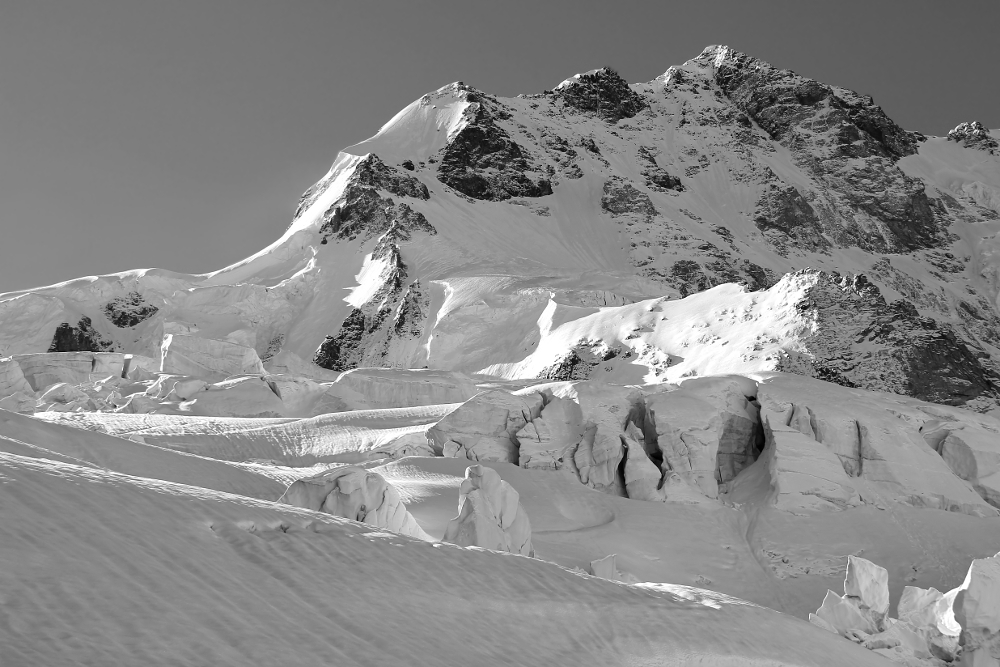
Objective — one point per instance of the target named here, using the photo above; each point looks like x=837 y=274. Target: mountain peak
x=603 y=91
x=974 y=135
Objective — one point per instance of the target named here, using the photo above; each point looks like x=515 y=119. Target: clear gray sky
x=180 y=133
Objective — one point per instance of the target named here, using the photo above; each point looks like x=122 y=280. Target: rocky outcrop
x=207 y=358
x=490 y=515
x=781 y=102
x=363 y=212
x=976 y=136
x=373 y=173
x=129 y=310
x=860 y=340
x=80 y=338
x=485 y=427
x=338 y=352
x=483 y=162
x=621 y=198
x=846 y=142
x=355 y=494
x=657 y=178
x=602 y=92
x=393 y=315
x=787 y=219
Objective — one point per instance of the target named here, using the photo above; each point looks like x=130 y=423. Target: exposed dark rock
x=564 y=155
x=621 y=198
x=656 y=176
x=847 y=143
x=408 y=165
x=603 y=92
x=273 y=347
x=784 y=216
x=392 y=313
x=590 y=145
x=483 y=162
x=373 y=173
x=367 y=214
x=689 y=277
x=580 y=362
x=758 y=278
x=335 y=352
x=81 y=338
x=411 y=313
x=975 y=135
x=862 y=341
x=780 y=101
x=129 y=310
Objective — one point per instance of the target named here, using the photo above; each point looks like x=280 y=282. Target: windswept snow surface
x=178 y=575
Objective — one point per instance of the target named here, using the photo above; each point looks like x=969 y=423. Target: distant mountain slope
x=539 y=236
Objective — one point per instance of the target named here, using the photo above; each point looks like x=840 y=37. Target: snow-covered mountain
x=721 y=338
x=555 y=234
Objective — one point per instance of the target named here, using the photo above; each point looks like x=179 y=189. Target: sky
x=180 y=133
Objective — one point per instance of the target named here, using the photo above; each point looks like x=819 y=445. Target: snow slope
x=659 y=190
x=186 y=576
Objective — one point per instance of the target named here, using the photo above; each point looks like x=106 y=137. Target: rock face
x=356 y=494
x=79 y=338
x=485 y=427
x=904 y=352
x=852 y=141
x=366 y=213
x=974 y=135
x=490 y=515
x=129 y=310
x=602 y=92
x=392 y=315
x=203 y=357
x=483 y=162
